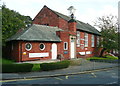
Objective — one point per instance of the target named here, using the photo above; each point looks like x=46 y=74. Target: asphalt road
x=102 y=77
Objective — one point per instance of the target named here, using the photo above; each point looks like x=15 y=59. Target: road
x=101 y=77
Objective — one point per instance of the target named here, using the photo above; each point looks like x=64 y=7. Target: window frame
x=78 y=39
x=26 y=48
x=86 y=39
x=92 y=41
x=43 y=45
x=98 y=41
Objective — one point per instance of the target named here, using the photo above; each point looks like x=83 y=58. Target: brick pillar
x=72 y=25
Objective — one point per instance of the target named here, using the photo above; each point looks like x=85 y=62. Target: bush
x=6 y=61
x=111 y=57
x=55 y=65
x=14 y=68
x=36 y=67
x=107 y=57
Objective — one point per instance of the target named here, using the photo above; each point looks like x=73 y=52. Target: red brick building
x=54 y=34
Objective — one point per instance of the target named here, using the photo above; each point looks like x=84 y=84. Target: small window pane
x=42 y=46
x=65 y=45
x=28 y=46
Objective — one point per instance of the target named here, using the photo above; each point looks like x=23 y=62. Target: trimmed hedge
x=14 y=68
x=55 y=65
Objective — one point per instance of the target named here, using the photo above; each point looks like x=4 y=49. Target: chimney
x=72 y=25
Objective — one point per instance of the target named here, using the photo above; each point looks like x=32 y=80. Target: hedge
x=55 y=65
x=14 y=68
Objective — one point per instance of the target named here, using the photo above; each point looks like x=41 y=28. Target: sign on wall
x=31 y=55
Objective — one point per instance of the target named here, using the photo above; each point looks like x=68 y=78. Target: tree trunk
x=102 y=51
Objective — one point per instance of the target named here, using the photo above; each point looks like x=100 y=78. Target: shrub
x=6 y=61
x=36 y=67
x=111 y=57
x=13 y=68
x=55 y=65
x=107 y=57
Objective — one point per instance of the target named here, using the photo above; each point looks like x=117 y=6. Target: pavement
x=84 y=67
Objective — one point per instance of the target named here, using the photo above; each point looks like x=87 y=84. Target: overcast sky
x=86 y=10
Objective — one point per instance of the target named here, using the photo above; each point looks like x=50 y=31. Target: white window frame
x=66 y=48
x=98 y=39
x=92 y=41
x=86 y=40
x=43 y=48
x=78 y=39
x=30 y=45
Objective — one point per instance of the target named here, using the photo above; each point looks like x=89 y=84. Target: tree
x=109 y=33
x=12 y=21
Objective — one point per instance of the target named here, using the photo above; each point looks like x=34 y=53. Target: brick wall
x=36 y=49
x=94 y=51
x=46 y=16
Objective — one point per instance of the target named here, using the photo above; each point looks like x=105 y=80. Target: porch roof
x=37 y=33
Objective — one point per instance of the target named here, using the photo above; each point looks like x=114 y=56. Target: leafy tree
x=109 y=32
x=12 y=21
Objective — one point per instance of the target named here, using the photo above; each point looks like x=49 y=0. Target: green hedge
x=14 y=68
x=107 y=57
x=55 y=65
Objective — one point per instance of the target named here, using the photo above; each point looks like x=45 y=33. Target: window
x=28 y=46
x=65 y=45
x=78 y=39
x=92 y=41
x=42 y=46
x=12 y=46
x=97 y=41
x=86 y=39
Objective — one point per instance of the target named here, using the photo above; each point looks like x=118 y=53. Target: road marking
x=107 y=71
x=94 y=74
x=66 y=77
x=58 y=78
x=20 y=79
x=113 y=73
x=112 y=83
x=15 y=80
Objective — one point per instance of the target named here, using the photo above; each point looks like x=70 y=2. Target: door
x=54 y=51
x=72 y=48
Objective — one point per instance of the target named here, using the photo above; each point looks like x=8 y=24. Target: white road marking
x=112 y=83
x=66 y=77
x=94 y=74
x=58 y=78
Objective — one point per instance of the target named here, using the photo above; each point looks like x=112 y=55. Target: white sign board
x=31 y=55
x=88 y=52
x=82 y=53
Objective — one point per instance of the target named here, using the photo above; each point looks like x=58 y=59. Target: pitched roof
x=37 y=33
x=80 y=25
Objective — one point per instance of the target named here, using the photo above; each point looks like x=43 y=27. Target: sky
x=86 y=10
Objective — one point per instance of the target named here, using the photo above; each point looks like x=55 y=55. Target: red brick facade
x=47 y=17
